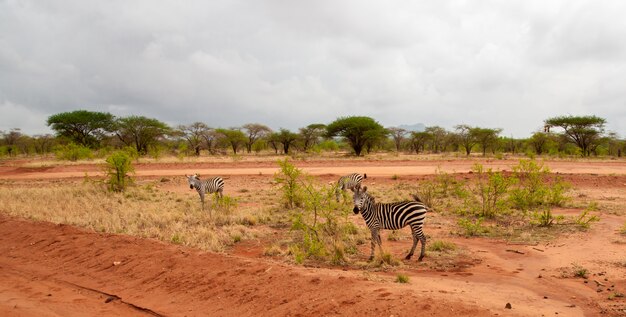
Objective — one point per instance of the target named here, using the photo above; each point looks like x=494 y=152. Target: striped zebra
x=350 y=182
x=210 y=185
x=391 y=216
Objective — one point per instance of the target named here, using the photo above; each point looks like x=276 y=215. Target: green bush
x=73 y=152
x=441 y=246
x=472 y=228
x=288 y=179
x=402 y=279
x=489 y=192
x=533 y=188
x=118 y=166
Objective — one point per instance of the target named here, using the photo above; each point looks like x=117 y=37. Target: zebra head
x=361 y=199
x=193 y=180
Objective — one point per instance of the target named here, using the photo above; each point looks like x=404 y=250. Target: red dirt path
x=59 y=270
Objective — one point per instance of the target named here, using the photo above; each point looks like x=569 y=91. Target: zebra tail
x=417 y=199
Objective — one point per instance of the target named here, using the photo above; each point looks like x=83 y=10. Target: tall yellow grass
x=140 y=211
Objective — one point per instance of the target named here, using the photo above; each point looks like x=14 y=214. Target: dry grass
x=140 y=211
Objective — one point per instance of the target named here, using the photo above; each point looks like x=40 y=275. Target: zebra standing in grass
x=392 y=216
x=350 y=182
x=210 y=185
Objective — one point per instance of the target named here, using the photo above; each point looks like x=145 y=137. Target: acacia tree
x=583 y=131
x=438 y=136
x=234 y=137
x=255 y=131
x=83 y=127
x=311 y=134
x=397 y=134
x=486 y=137
x=210 y=137
x=11 y=139
x=286 y=138
x=539 y=142
x=357 y=131
x=465 y=137
x=194 y=134
x=140 y=132
x=419 y=140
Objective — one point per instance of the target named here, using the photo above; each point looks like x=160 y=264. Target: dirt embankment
x=58 y=270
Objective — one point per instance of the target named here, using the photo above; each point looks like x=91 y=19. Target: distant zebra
x=391 y=216
x=210 y=185
x=350 y=182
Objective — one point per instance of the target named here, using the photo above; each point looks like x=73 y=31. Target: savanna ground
x=70 y=248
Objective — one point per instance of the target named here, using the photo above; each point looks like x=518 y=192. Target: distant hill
x=417 y=127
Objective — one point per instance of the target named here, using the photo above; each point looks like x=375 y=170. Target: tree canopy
x=255 y=131
x=584 y=131
x=83 y=127
x=357 y=131
x=140 y=132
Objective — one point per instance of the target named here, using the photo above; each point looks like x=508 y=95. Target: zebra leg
x=375 y=237
x=201 y=200
x=423 y=240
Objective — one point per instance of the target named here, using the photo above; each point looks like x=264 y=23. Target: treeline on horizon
x=83 y=134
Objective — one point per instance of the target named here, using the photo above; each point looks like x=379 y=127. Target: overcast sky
x=496 y=64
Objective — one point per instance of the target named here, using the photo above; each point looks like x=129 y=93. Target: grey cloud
x=287 y=64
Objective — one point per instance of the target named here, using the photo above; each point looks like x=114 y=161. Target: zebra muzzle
x=355 y=210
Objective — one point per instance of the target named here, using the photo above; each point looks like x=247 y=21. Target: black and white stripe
x=210 y=185
x=391 y=216
x=350 y=182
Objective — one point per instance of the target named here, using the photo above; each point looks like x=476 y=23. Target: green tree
x=254 y=132
x=311 y=135
x=234 y=137
x=419 y=140
x=194 y=134
x=286 y=138
x=465 y=137
x=583 y=131
x=539 y=142
x=140 y=132
x=397 y=134
x=83 y=127
x=357 y=131
x=487 y=138
x=438 y=136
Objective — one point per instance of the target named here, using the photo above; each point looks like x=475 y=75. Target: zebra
x=350 y=182
x=210 y=185
x=391 y=216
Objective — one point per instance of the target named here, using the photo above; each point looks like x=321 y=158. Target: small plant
x=580 y=271
x=176 y=238
x=472 y=228
x=615 y=295
x=623 y=229
x=288 y=179
x=385 y=259
x=227 y=204
x=441 y=246
x=543 y=218
x=489 y=190
x=394 y=177
x=402 y=279
x=118 y=166
x=584 y=220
